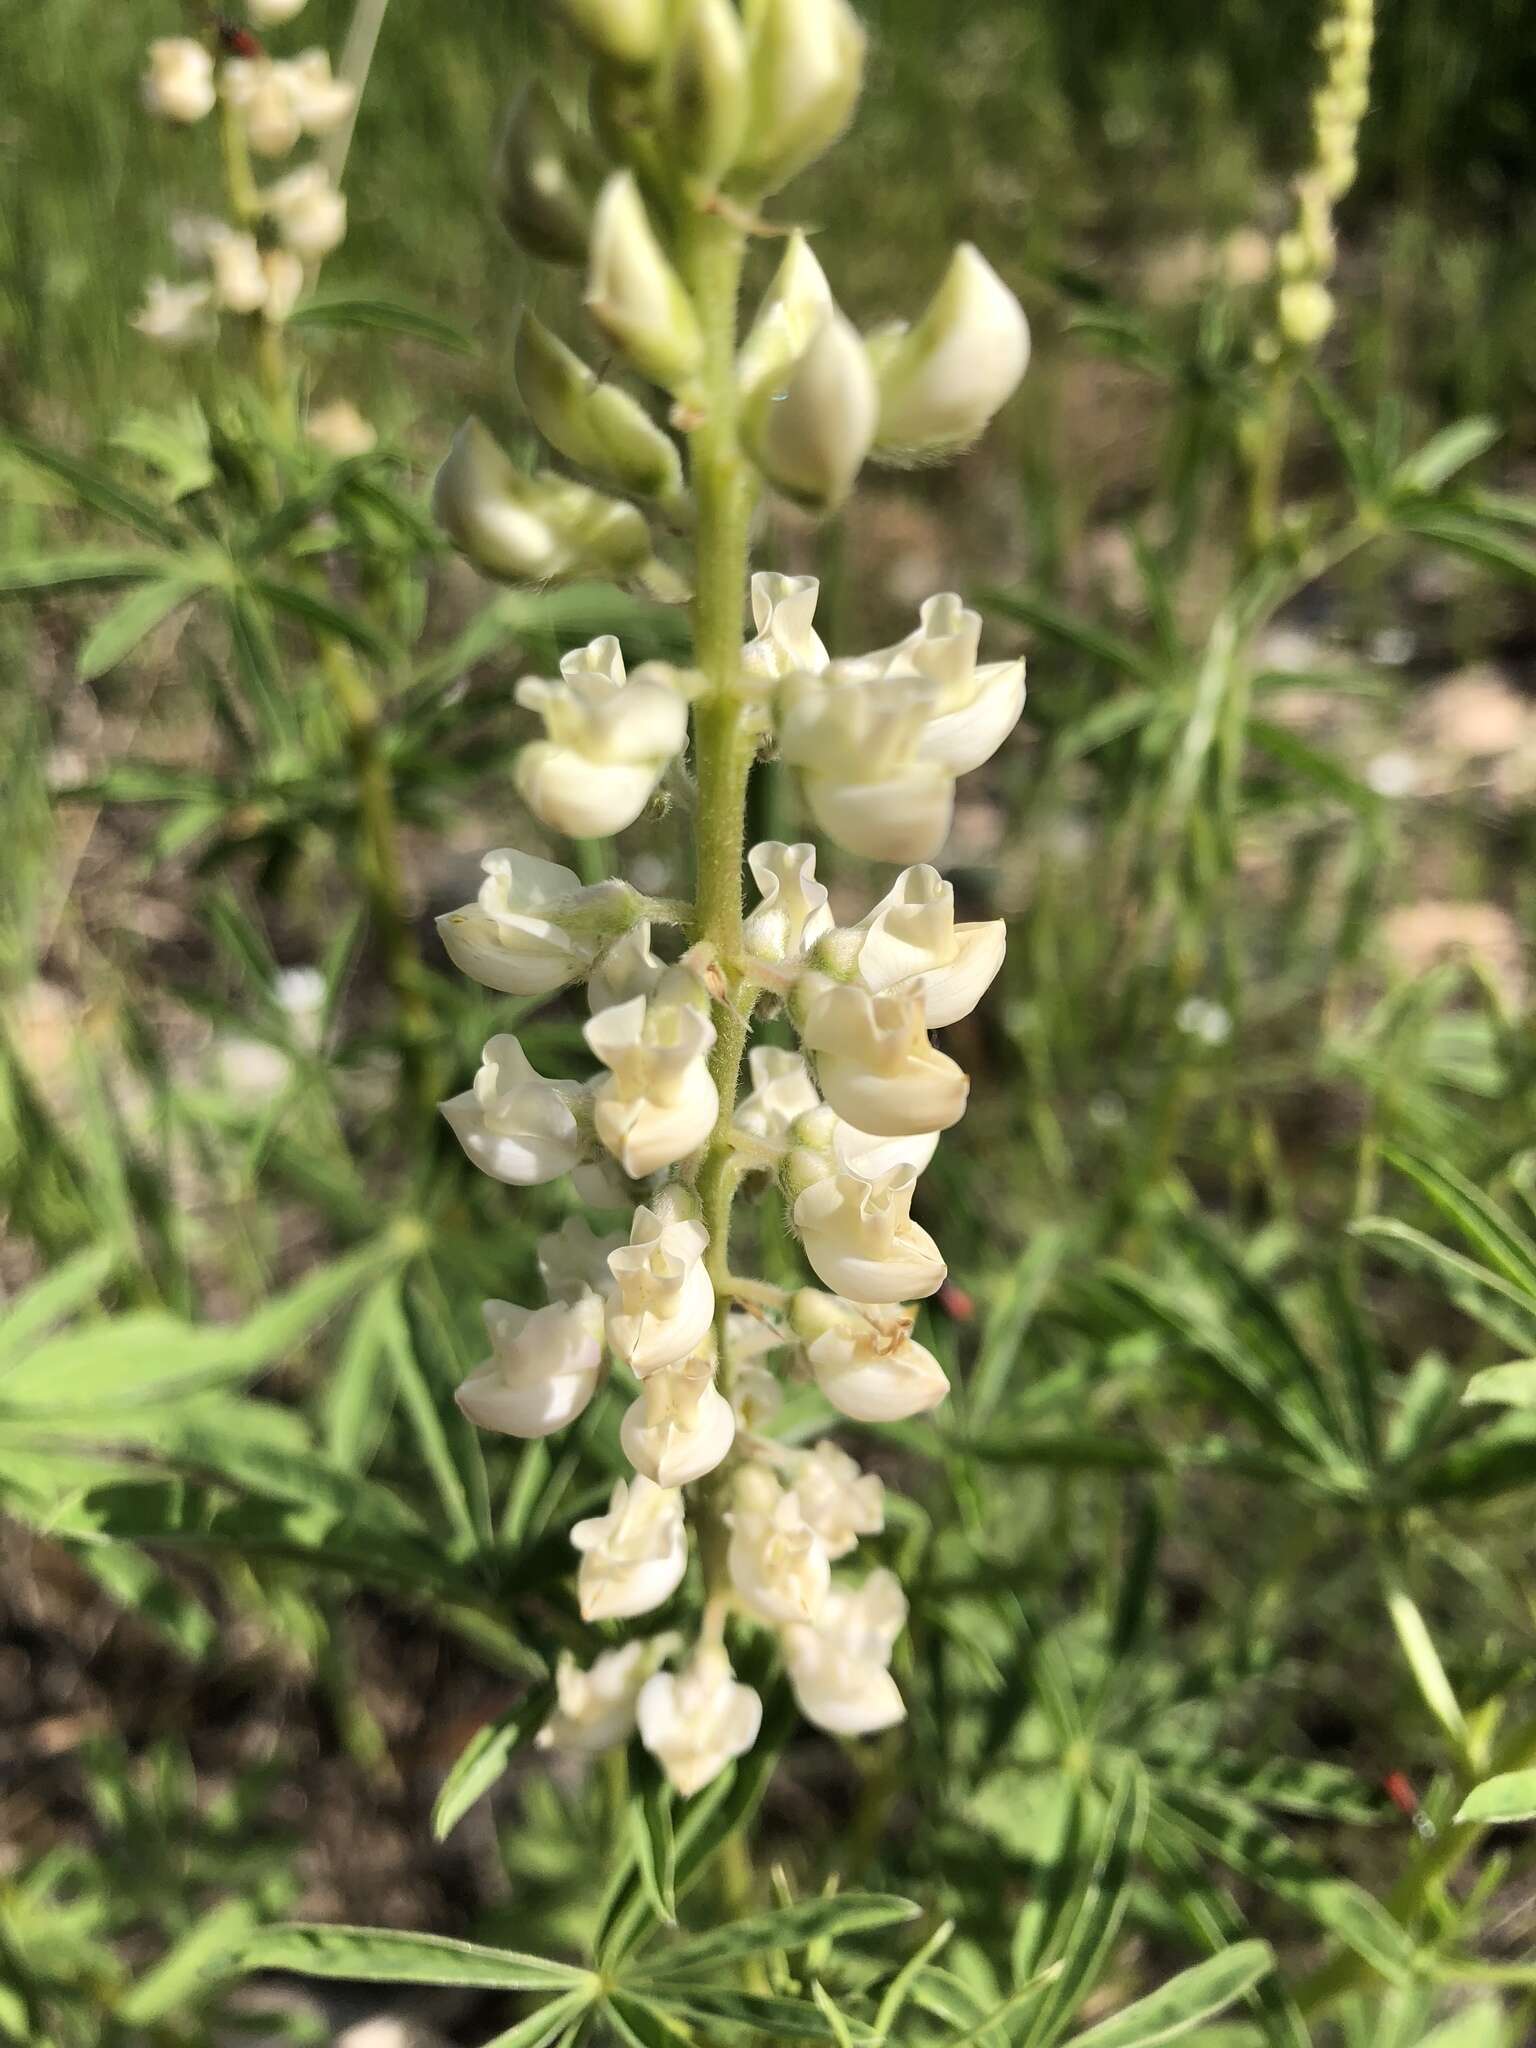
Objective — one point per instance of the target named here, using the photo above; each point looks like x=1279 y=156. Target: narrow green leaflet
x=211 y=1948
x=49 y=1300
x=130 y=620
x=1479 y=1219
x=784 y=2019
x=26 y=575
x=485 y=1757
x=1508 y=1386
x=1090 y=1933
x=1445 y=453
x=787 y=1929
x=1509 y=1797
x=386 y=317
x=101 y=492
x=1008 y=1323
x=655 y=1845
x=543 y=2026
x=379 y=1955
x=1194 y=1996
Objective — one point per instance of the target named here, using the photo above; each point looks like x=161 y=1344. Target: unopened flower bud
x=1305 y=309
x=806 y=64
x=530 y=529
x=703 y=94
x=591 y=421
x=545 y=180
x=178 y=86
x=543 y=1370
x=943 y=380
x=796 y=306
x=515 y=1125
x=696 y=1722
x=633 y=292
x=634 y=1557
x=622 y=32
x=810 y=435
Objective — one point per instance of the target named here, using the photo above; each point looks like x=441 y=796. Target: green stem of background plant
x=713 y=251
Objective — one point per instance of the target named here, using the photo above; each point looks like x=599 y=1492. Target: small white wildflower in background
x=340 y=430
x=1208 y=1022
x=176 y=315
x=1392 y=774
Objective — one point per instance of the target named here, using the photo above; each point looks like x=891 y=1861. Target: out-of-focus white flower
x=777 y=1561
x=663 y=1301
x=634 y=1557
x=782 y=1092
x=627 y=969
x=794 y=914
x=859 y=1235
x=623 y=32
x=634 y=294
x=178 y=86
x=910 y=944
x=839 y=1668
x=696 y=1721
x=284 y=273
x=941 y=381
x=532 y=928
x=810 y=430
x=1200 y=1018
x=609 y=737
x=176 y=315
x=595 y=1708
x=515 y=1125
x=273 y=13
x=300 y=993
x=544 y=1367
x=311 y=215
x=681 y=1426
x=874 y=1062
x=787 y=642
x=239 y=279
x=796 y=306
x=264 y=92
x=573 y=1261
x=322 y=102
x=756 y=1395
x=838 y=1501
x=531 y=529
x=340 y=431
x=865 y=1358
x=805 y=67
x=658 y=1102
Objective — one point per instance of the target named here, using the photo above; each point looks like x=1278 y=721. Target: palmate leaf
x=1193 y=1997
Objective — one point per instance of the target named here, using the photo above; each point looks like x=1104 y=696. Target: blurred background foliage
x=1219 y=1558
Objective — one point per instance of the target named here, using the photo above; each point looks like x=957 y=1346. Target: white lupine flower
x=339 y=430
x=284 y=273
x=517 y=936
x=782 y=1092
x=544 y=1367
x=756 y=1397
x=794 y=914
x=663 y=1301
x=322 y=101
x=865 y=1358
x=634 y=1557
x=595 y=1708
x=628 y=968
x=909 y=944
x=977 y=703
x=573 y=1261
x=778 y=1564
x=515 y=1125
x=681 y=1426
x=658 y=1101
x=601 y=1183
x=810 y=432
x=787 y=643
x=178 y=86
x=857 y=743
x=311 y=215
x=942 y=381
x=859 y=1235
x=869 y=1156
x=874 y=1062
x=839 y=1668
x=633 y=292
x=176 y=315
x=273 y=13
x=239 y=278
x=838 y=1501
x=796 y=306
x=264 y=93
x=697 y=1721
x=609 y=739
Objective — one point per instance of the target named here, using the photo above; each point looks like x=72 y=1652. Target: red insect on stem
x=234 y=40
x=1402 y=1795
